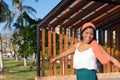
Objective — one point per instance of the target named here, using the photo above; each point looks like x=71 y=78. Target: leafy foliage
x=25 y=36
x=4 y=11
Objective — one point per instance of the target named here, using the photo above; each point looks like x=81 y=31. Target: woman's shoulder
x=76 y=44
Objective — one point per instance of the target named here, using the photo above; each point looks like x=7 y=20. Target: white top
x=85 y=59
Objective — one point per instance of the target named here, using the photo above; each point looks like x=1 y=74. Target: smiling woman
x=86 y=53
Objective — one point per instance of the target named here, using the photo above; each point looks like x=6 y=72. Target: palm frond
x=9 y=21
x=15 y=2
x=4 y=11
x=28 y=8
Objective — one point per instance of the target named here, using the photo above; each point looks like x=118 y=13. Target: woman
x=86 y=52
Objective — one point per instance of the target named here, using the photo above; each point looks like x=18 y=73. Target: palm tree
x=20 y=8
x=5 y=15
x=4 y=11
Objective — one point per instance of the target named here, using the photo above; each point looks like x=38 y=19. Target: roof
x=74 y=13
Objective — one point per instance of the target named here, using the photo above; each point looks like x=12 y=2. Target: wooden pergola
x=66 y=19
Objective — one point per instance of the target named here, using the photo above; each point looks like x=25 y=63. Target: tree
x=15 y=40
x=4 y=11
x=19 y=10
x=5 y=15
x=26 y=37
x=8 y=16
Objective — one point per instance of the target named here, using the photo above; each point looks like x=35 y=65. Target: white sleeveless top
x=85 y=59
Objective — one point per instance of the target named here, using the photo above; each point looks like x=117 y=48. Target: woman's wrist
x=55 y=58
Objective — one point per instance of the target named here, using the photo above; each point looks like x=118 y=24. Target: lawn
x=16 y=71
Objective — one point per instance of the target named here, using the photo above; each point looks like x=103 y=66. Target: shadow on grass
x=19 y=71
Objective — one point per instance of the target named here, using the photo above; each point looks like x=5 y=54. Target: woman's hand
x=52 y=60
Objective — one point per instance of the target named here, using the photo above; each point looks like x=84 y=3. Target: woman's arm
x=113 y=60
x=64 y=54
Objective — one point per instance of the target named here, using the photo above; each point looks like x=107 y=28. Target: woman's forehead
x=89 y=30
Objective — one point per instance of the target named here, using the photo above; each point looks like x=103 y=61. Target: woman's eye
x=86 y=33
x=92 y=33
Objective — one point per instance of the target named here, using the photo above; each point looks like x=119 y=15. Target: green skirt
x=85 y=74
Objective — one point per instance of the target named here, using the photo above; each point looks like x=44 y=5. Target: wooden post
x=75 y=36
x=54 y=50
x=102 y=42
x=117 y=52
x=71 y=57
x=50 y=50
x=104 y=46
x=65 y=48
x=61 y=50
x=112 y=48
x=109 y=46
x=38 y=51
x=43 y=52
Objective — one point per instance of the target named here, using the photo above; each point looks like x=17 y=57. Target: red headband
x=88 y=24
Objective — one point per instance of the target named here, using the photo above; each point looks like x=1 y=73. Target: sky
x=43 y=7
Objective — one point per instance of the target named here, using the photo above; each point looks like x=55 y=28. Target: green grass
x=16 y=71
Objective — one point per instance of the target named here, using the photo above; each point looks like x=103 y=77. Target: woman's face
x=88 y=35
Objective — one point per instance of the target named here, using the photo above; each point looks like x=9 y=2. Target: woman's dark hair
x=88 y=27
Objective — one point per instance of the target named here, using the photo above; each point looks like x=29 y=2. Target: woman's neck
x=83 y=42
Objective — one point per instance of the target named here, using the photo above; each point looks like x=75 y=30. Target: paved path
x=101 y=76
x=109 y=76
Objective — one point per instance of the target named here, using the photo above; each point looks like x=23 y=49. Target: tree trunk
x=25 y=61
x=1 y=61
x=33 y=63
x=16 y=57
x=16 y=52
x=1 y=57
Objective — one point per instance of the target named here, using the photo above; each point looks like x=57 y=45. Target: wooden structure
x=65 y=20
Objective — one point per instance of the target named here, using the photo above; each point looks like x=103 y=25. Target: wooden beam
x=56 y=11
x=82 y=13
x=77 y=5
x=95 y=14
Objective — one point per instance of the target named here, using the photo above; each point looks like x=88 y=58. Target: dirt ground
x=2 y=76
